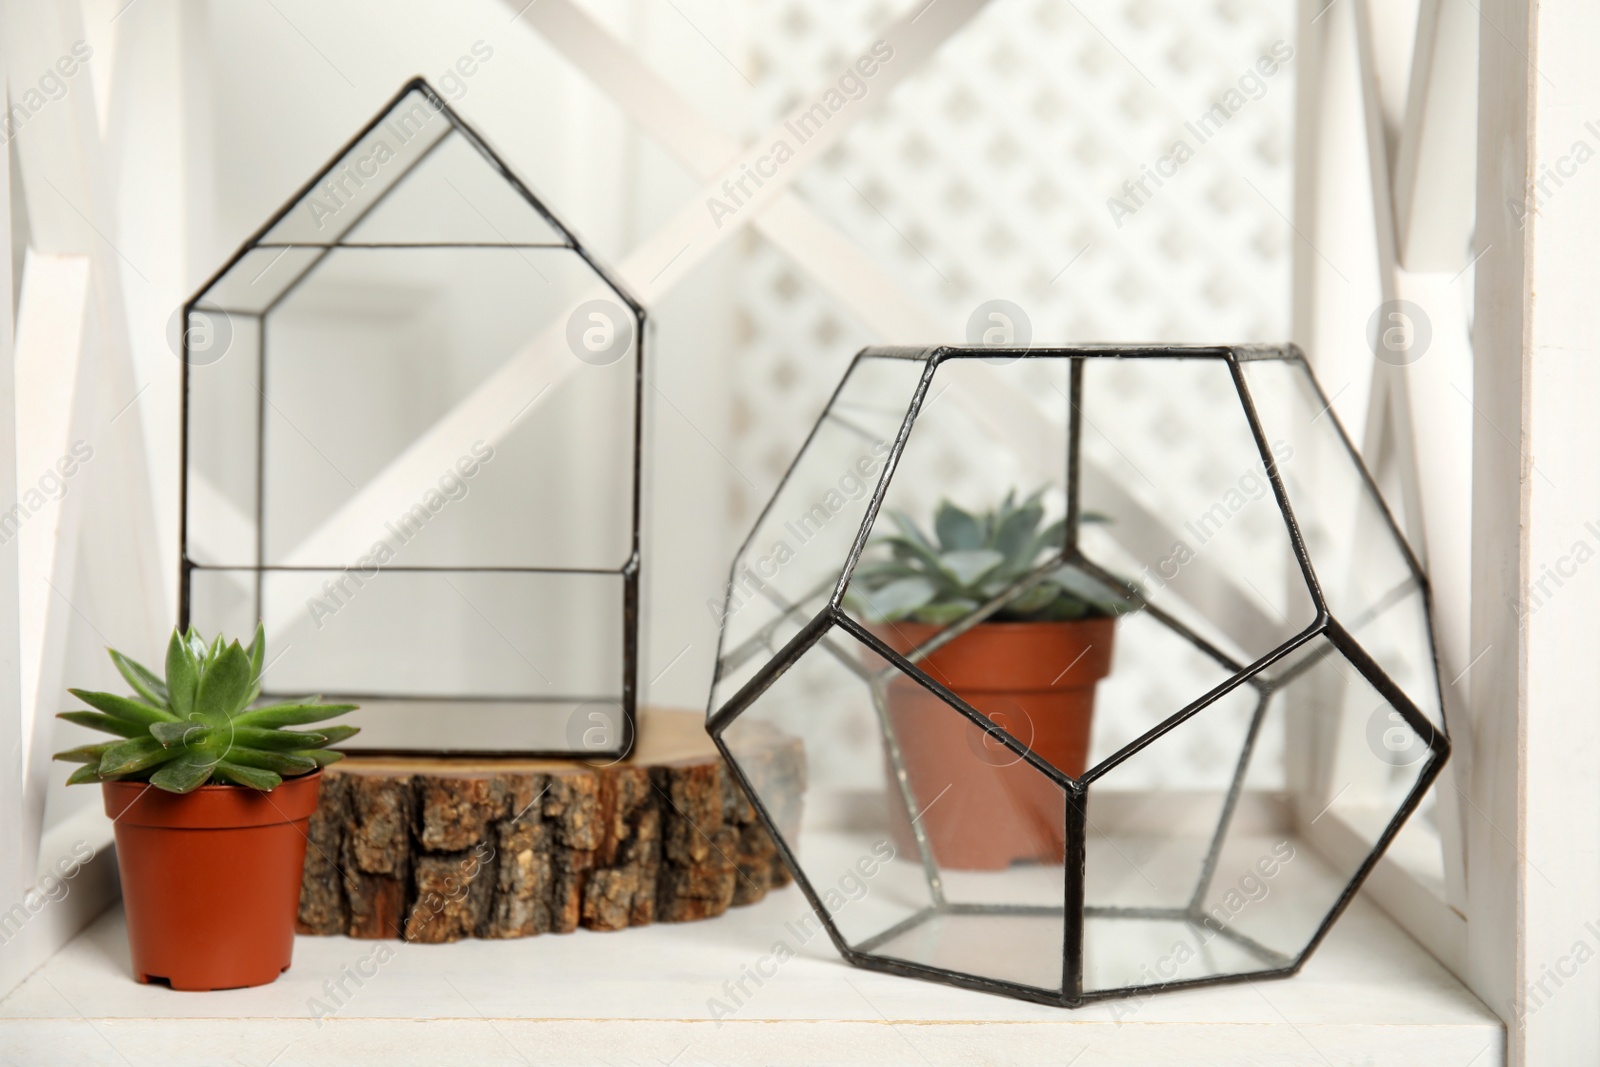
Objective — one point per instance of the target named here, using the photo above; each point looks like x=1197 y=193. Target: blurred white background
x=1033 y=157
x=1003 y=168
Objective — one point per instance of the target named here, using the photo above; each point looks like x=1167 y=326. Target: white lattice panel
x=990 y=174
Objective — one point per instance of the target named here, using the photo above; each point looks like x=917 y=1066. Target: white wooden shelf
x=1371 y=996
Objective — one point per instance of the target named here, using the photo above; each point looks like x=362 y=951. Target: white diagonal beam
x=838 y=267
x=52 y=407
x=997 y=406
x=652 y=270
x=1435 y=176
x=1405 y=400
x=834 y=263
x=72 y=214
x=1389 y=406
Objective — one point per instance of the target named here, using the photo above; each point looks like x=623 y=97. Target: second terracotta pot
x=980 y=805
x=211 y=879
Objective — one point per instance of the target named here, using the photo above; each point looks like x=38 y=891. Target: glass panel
x=988 y=899
x=1197 y=527
x=1357 y=554
x=972 y=508
x=376 y=346
x=455 y=196
x=1155 y=673
x=969 y=510
x=222 y=441
x=448 y=661
x=468 y=634
x=797 y=551
x=996 y=827
x=502 y=634
x=956 y=453
x=740 y=663
x=1152 y=816
x=361 y=177
x=1121 y=952
x=839 y=829
x=1274 y=884
x=227 y=602
x=1151 y=821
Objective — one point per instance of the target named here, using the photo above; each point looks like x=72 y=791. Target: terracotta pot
x=982 y=806
x=211 y=879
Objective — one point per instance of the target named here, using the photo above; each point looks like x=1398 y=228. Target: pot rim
x=1087 y=620
x=219 y=787
x=212 y=807
x=971 y=660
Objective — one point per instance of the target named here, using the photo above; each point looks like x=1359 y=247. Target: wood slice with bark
x=435 y=849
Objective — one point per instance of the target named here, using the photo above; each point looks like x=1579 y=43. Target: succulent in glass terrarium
x=1281 y=619
x=1031 y=665
x=973 y=558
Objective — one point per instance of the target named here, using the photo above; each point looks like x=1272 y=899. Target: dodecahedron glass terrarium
x=412 y=443
x=1112 y=669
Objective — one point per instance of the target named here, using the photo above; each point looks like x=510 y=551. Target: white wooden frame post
x=1533 y=841
x=1518 y=634
x=1369 y=132
x=68 y=371
x=16 y=868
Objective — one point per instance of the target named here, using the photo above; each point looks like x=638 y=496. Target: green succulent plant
x=197 y=725
x=969 y=560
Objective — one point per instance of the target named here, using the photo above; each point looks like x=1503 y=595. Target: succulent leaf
x=238 y=774
x=1051 y=537
x=85 y=753
x=332 y=735
x=1036 y=599
x=973 y=558
x=1092 y=590
x=257 y=653
x=177 y=733
x=279 y=762
x=94 y=720
x=184 y=774
x=914 y=554
x=969 y=567
x=946 y=611
x=125 y=708
x=900 y=598
x=277 y=715
x=910 y=530
x=84 y=775
x=276 y=740
x=225 y=686
x=132 y=756
x=183 y=677
x=957 y=530
x=142 y=678
x=1014 y=534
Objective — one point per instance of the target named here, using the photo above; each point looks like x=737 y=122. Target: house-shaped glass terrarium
x=412 y=447
x=1113 y=671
